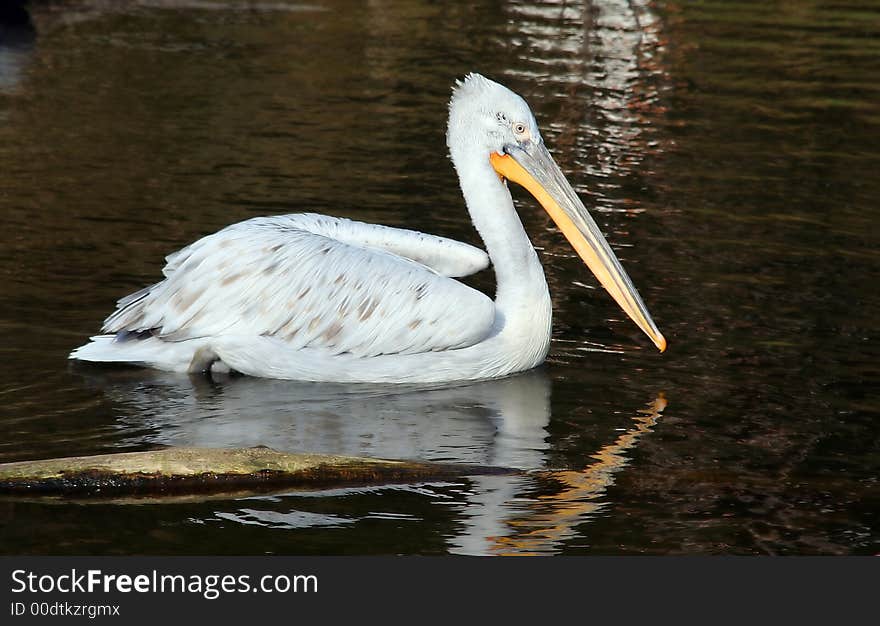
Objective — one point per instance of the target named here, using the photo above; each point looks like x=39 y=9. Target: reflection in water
x=17 y=36
x=499 y=520
x=550 y=519
x=610 y=49
x=498 y=422
x=501 y=422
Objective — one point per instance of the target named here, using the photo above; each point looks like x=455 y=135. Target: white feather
x=311 y=297
x=271 y=277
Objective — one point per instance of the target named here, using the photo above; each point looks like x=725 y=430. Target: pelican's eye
x=519 y=128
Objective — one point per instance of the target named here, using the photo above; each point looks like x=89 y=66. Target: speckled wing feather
x=342 y=291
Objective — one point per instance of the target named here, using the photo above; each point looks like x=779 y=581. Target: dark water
x=730 y=150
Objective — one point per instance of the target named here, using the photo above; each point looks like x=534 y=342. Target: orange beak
x=531 y=166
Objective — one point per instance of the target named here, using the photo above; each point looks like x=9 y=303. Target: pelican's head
x=486 y=118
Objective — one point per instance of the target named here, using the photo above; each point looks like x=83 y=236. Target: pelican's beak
x=531 y=166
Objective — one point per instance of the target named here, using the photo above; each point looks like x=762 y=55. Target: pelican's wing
x=445 y=256
x=270 y=276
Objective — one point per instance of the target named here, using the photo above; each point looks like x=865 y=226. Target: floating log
x=179 y=470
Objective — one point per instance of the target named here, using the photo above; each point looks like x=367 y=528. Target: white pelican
x=318 y=298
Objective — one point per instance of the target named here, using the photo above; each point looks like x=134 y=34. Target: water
x=728 y=149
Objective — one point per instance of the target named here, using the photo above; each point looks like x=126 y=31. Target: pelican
x=318 y=298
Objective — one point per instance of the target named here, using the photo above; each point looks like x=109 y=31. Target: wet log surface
x=179 y=471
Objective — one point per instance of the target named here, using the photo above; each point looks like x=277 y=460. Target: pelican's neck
x=521 y=292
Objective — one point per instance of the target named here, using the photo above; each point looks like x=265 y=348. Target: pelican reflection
x=497 y=422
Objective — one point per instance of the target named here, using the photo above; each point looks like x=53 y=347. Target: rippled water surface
x=730 y=151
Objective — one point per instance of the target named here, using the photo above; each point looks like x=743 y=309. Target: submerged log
x=177 y=471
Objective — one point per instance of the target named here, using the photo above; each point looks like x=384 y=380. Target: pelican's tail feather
x=148 y=351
